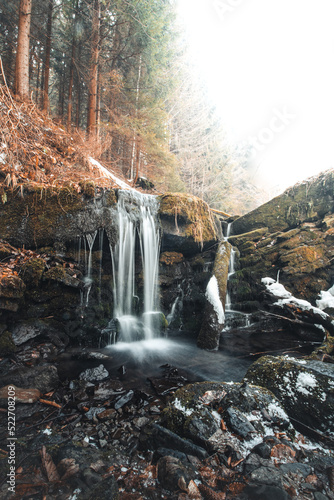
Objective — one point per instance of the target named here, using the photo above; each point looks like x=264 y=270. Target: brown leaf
x=193 y=491
x=48 y=466
x=282 y=451
x=67 y=468
x=210 y=494
x=97 y=466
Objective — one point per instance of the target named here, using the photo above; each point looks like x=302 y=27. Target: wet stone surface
x=103 y=439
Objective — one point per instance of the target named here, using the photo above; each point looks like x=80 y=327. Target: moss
x=88 y=188
x=32 y=219
x=193 y=212
x=7 y=345
x=32 y=272
x=171 y=258
x=11 y=287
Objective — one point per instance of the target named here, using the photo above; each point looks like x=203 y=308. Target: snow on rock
x=306 y=391
x=212 y=294
x=326 y=299
x=285 y=297
x=108 y=174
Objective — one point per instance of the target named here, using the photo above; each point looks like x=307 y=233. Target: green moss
x=88 y=188
x=32 y=272
x=192 y=211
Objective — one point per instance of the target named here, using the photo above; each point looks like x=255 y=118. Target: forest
x=116 y=76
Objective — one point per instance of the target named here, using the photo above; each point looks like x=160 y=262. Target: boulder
x=43 y=377
x=214 y=317
x=187 y=223
x=305 y=388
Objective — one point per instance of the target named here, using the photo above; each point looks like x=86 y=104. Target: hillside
x=34 y=150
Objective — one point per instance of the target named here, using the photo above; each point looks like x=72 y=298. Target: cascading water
x=233 y=317
x=136 y=211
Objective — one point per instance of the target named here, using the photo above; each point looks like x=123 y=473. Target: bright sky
x=269 y=67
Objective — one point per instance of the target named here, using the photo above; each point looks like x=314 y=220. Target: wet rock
x=106 y=414
x=186 y=223
x=94 y=374
x=42 y=377
x=7 y=345
x=305 y=388
x=24 y=332
x=213 y=320
x=239 y=423
x=266 y=475
x=107 y=389
x=264 y=492
x=123 y=400
x=62 y=275
x=173 y=474
x=263 y=450
x=156 y=436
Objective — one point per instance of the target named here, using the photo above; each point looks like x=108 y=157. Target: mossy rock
x=60 y=275
x=32 y=272
x=44 y=216
x=171 y=258
x=11 y=286
x=305 y=388
x=310 y=200
x=241 y=239
x=190 y=215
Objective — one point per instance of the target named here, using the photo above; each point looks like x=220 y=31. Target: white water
x=136 y=212
x=242 y=318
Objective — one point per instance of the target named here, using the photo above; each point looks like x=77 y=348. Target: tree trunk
x=134 y=145
x=93 y=76
x=47 y=58
x=22 y=54
x=71 y=82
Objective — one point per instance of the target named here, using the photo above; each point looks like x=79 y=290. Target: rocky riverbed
x=92 y=432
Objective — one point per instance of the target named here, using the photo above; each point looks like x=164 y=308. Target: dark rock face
x=304 y=388
x=291 y=234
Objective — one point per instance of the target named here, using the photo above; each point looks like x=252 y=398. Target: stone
x=187 y=224
x=264 y=492
x=42 y=377
x=305 y=388
x=213 y=320
x=94 y=374
x=172 y=473
x=11 y=287
x=239 y=422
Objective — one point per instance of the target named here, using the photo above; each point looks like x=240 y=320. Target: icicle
x=90 y=238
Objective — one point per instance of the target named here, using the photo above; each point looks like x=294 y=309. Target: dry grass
x=35 y=150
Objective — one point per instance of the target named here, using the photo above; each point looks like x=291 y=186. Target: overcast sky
x=269 y=68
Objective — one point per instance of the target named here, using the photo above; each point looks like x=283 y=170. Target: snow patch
x=212 y=294
x=326 y=299
x=285 y=297
x=275 y=410
x=108 y=174
x=179 y=406
x=305 y=381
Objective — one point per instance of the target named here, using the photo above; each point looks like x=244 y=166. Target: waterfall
x=233 y=317
x=136 y=215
